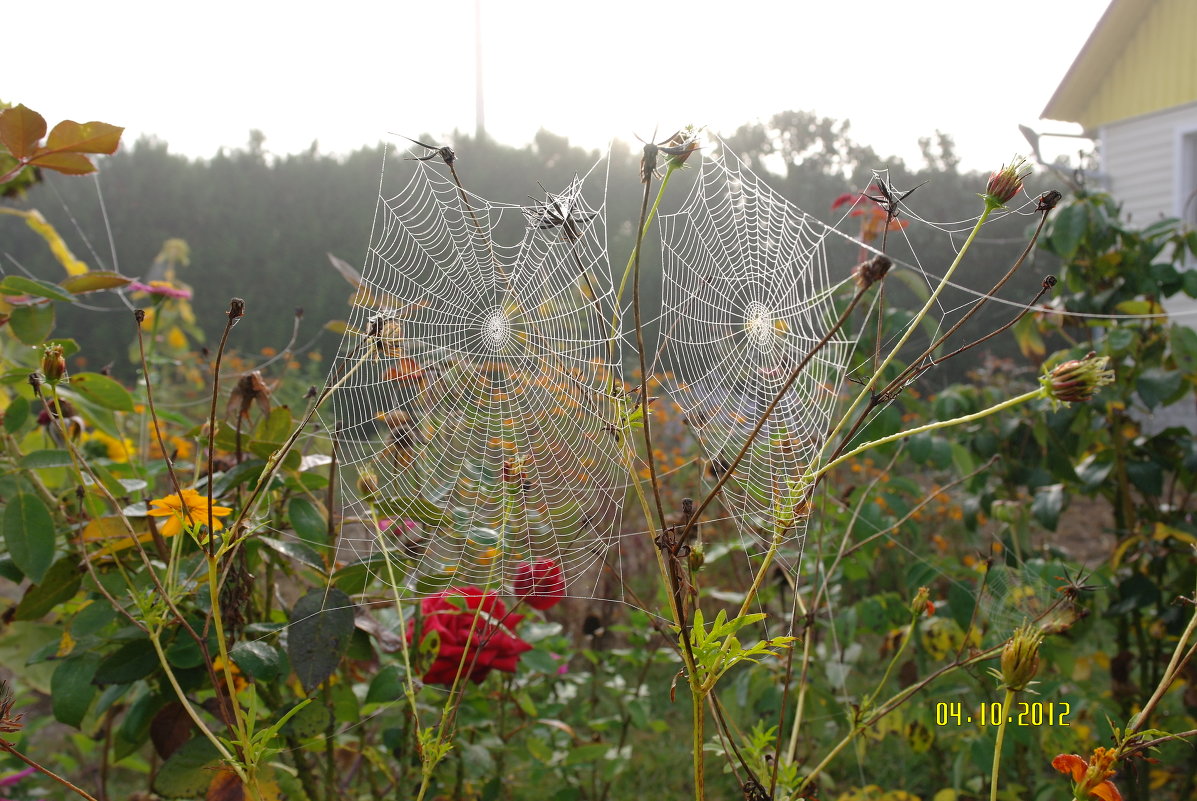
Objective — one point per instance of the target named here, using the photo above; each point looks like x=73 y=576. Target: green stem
x=911 y=327
x=1007 y=702
x=633 y=258
x=696 y=699
x=1038 y=392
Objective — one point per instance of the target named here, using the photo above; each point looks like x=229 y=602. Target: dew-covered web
x=747 y=294
x=473 y=425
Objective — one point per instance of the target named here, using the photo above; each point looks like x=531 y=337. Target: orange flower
x=190 y=511
x=1090 y=780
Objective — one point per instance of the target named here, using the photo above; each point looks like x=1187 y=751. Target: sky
x=201 y=75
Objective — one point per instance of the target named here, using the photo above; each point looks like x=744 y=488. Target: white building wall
x=1151 y=169
x=1141 y=158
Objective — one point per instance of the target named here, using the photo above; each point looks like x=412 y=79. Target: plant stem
x=643 y=400
x=1007 y=702
x=911 y=327
x=78 y=791
x=1038 y=392
x=699 y=716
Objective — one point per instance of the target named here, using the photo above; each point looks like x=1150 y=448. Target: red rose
x=486 y=644
x=541 y=583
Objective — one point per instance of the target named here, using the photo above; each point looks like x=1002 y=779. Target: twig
x=80 y=792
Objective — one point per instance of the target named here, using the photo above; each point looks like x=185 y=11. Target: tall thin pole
x=479 y=114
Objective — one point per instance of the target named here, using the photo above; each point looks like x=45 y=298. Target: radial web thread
x=479 y=380
x=747 y=294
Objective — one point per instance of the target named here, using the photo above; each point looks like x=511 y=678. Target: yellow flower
x=117 y=450
x=190 y=511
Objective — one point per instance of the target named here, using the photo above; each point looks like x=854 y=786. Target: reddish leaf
x=67 y=163
x=21 y=129
x=225 y=787
x=90 y=137
x=170 y=728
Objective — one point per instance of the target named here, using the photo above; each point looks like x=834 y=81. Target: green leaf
x=16 y=414
x=44 y=459
x=1158 y=386
x=103 y=391
x=1120 y=338
x=93 y=281
x=353 y=577
x=387 y=685
x=321 y=628
x=1093 y=470
x=1184 y=348
x=307 y=520
x=134 y=660
x=134 y=729
x=294 y=550
x=33 y=323
x=71 y=688
x=29 y=534
x=257 y=659
x=20 y=285
x=275 y=427
x=189 y=770
x=413 y=508
x=1148 y=477
x=1068 y=229
x=60 y=583
x=310 y=721
x=587 y=753
x=1048 y=503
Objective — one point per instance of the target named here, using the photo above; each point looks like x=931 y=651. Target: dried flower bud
x=36 y=380
x=236 y=309
x=9 y=722
x=1020 y=657
x=1048 y=200
x=53 y=364
x=1076 y=381
x=1049 y=282
x=1005 y=183
x=870 y=272
x=139 y=315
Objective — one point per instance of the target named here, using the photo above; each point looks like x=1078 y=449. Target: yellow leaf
x=1120 y=551
x=90 y=137
x=1163 y=532
x=66 y=163
x=58 y=247
x=65 y=645
x=110 y=534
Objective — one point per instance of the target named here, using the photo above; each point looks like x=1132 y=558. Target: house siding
x=1140 y=158
x=1156 y=69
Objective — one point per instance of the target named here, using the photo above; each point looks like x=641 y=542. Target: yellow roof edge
x=1115 y=28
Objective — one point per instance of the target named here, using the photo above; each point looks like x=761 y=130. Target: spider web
x=473 y=424
x=747 y=293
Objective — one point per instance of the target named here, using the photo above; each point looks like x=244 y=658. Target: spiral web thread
x=747 y=294
x=476 y=411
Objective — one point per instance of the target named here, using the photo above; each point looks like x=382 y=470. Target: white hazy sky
x=200 y=75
